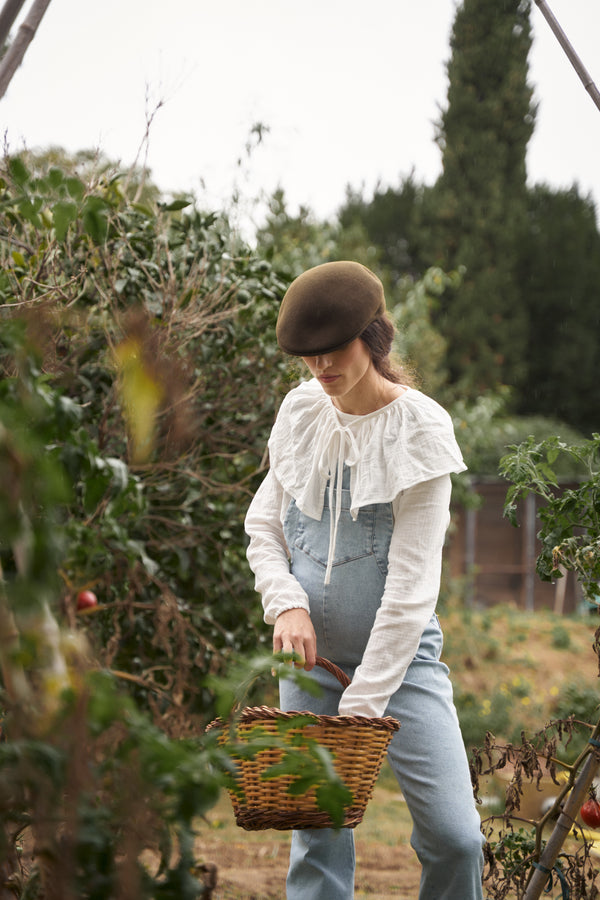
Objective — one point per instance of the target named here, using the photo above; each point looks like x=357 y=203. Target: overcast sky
x=350 y=91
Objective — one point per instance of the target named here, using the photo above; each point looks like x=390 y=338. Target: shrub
x=147 y=337
x=561 y=639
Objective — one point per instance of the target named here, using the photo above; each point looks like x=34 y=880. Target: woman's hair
x=378 y=337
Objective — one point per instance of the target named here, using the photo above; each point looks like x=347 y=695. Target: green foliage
x=110 y=767
x=579 y=701
x=293 y=243
x=559 y=271
x=391 y=221
x=570 y=538
x=489 y=117
x=32 y=419
x=485 y=431
x=148 y=336
x=508 y=858
x=86 y=778
x=570 y=518
x=418 y=342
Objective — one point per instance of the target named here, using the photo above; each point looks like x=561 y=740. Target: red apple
x=86 y=599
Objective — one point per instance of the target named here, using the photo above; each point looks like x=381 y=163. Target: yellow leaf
x=141 y=396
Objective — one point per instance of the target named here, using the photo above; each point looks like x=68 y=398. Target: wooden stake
x=13 y=57
x=8 y=15
x=543 y=870
x=568 y=48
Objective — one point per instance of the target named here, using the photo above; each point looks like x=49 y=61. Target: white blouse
x=401 y=454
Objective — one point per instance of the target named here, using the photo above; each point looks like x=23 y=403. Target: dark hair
x=378 y=337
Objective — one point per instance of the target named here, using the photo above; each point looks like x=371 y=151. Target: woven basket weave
x=357 y=743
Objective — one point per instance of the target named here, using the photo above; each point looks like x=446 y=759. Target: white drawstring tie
x=332 y=456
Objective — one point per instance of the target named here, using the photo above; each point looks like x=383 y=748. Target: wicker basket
x=357 y=744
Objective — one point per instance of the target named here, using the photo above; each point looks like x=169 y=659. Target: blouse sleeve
x=421 y=517
x=267 y=551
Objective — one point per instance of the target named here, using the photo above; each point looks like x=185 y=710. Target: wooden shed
x=499 y=559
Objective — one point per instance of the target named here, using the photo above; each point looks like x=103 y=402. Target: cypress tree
x=478 y=208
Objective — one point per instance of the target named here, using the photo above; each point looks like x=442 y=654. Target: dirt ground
x=249 y=875
x=253 y=865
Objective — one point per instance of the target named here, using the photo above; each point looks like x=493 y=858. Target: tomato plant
x=570 y=526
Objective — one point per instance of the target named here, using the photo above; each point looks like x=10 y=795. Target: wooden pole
x=543 y=870
x=583 y=73
x=528 y=555
x=8 y=15
x=13 y=57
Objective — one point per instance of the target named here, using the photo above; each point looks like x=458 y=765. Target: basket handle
x=335 y=670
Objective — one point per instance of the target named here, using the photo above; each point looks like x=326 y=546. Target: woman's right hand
x=294 y=633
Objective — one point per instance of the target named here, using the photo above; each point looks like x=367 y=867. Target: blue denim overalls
x=427 y=754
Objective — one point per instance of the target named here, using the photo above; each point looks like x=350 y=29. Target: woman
x=346 y=536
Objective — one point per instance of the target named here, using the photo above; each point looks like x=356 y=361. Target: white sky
x=349 y=90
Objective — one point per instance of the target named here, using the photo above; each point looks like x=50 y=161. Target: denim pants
x=427 y=754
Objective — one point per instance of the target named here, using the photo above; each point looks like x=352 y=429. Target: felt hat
x=327 y=307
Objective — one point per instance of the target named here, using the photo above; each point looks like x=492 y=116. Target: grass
x=525 y=658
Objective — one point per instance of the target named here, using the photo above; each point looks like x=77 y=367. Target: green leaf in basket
x=300 y=765
x=285 y=725
x=301 y=785
x=333 y=798
x=254 y=742
x=326 y=761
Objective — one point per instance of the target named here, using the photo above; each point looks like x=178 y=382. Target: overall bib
x=427 y=754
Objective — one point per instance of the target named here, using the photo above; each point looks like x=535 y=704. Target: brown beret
x=327 y=307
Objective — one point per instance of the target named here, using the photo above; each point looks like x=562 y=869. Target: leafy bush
x=147 y=335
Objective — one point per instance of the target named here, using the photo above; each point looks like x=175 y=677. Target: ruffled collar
x=389 y=450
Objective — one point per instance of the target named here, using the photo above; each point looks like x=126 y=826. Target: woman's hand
x=294 y=633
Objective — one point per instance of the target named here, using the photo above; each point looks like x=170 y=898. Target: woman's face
x=347 y=375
